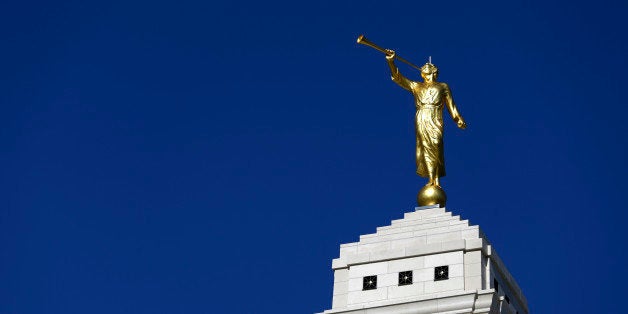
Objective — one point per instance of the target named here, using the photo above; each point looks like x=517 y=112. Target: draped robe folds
x=430 y=99
x=429 y=141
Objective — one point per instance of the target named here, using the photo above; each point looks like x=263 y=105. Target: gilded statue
x=430 y=98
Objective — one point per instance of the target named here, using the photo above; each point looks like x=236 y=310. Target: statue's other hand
x=390 y=54
x=461 y=124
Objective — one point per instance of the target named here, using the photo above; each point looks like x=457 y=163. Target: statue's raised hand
x=461 y=123
x=390 y=54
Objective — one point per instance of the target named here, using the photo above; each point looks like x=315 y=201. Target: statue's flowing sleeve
x=451 y=106
x=396 y=76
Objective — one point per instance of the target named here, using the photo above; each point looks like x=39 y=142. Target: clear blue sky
x=210 y=157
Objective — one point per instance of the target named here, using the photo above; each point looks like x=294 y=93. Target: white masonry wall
x=387 y=272
x=419 y=242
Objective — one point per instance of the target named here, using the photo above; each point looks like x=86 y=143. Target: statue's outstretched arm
x=451 y=106
x=394 y=72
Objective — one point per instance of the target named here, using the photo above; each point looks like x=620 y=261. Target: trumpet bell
x=362 y=40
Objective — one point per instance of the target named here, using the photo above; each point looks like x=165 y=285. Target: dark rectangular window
x=496 y=285
x=369 y=283
x=441 y=273
x=507 y=300
x=405 y=278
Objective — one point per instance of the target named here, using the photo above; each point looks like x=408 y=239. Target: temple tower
x=428 y=262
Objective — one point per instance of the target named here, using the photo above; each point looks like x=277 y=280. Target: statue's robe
x=430 y=99
x=429 y=141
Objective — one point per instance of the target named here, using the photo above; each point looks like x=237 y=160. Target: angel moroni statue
x=430 y=98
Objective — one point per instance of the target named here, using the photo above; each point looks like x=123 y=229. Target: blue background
x=210 y=157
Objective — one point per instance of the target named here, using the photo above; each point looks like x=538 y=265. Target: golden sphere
x=431 y=195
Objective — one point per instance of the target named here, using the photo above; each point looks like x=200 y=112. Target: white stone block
x=414 y=220
x=371 y=269
x=367 y=296
x=459 y=226
x=341 y=275
x=455 y=245
x=444 y=259
x=410 y=242
x=456 y=270
x=426 y=226
x=424 y=307
x=393 y=230
x=339 y=301
x=355 y=284
x=431 y=225
x=472 y=233
x=396 y=221
x=426 y=213
x=348 y=250
x=357 y=258
x=337 y=263
x=412 y=215
x=484 y=301
x=386 y=237
x=406 y=264
x=372 y=247
x=445 y=223
x=439 y=217
x=410 y=228
x=473 y=282
x=420 y=225
x=473 y=244
x=444 y=285
x=387 y=280
x=430 y=212
x=348 y=244
x=435 y=230
x=465 y=221
x=473 y=269
x=423 y=249
x=439 y=229
x=443 y=237
x=423 y=274
x=413 y=290
x=387 y=255
x=341 y=287
x=473 y=257
x=456 y=303
x=488 y=249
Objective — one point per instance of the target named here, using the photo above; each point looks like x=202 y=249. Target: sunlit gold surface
x=431 y=195
x=430 y=97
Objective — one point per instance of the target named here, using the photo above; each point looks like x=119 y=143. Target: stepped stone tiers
x=428 y=262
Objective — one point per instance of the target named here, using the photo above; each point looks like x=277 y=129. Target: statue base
x=431 y=195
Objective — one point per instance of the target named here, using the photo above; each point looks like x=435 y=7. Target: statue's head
x=429 y=72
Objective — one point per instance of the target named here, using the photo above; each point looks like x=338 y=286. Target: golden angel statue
x=430 y=98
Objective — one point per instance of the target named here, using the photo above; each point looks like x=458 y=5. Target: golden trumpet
x=362 y=40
